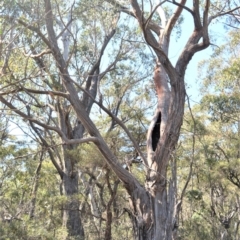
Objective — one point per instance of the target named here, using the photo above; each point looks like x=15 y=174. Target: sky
x=192 y=78
x=177 y=45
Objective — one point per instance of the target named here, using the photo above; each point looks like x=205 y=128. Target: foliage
x=76 y=83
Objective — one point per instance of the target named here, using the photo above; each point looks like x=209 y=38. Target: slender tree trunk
x=108 y=230
x=71 y=214
x=109 y=213
x=35 y=189
x=71 y=210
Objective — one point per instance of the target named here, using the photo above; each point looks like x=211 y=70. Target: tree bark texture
x=71 y=213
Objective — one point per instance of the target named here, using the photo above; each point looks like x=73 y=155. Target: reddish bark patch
x=158 y=82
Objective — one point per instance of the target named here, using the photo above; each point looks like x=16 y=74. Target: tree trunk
x=153 y=213
x=71 y=214
x=35 y=189
x=71 y=209
x=108 y=230
x=153 y=207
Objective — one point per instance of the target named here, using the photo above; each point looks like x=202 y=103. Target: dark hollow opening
x=156 y=133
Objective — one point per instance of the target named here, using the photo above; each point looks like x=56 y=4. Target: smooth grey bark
x=71 y=213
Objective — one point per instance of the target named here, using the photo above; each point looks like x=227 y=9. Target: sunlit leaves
x=222 y=107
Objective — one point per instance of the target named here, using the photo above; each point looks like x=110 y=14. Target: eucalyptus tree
x=37 y=94
x=155 y=206
x=210 y=206
x=210 y=134
x=221 y=99
x=15 y=178
x=221 y=105
x=62 y=47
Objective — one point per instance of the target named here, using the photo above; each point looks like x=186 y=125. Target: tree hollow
x=156 y=132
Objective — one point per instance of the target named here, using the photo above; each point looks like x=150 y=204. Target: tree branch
x=172 y=21
x=152 y=25
x=192 y=158
x=44 y=142
x=118 y=121
x=129 y=181
x=180 y=5
x=94 y=72
x=150 y=39
x=36 y=30
x=152 y=12
x=51 y=93
x=196 y=15
x=205 y=14
x=222 y=14
x=25 y=116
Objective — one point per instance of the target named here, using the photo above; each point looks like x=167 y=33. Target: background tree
x=33 y=88
x=212 y=195
x=63 y=82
